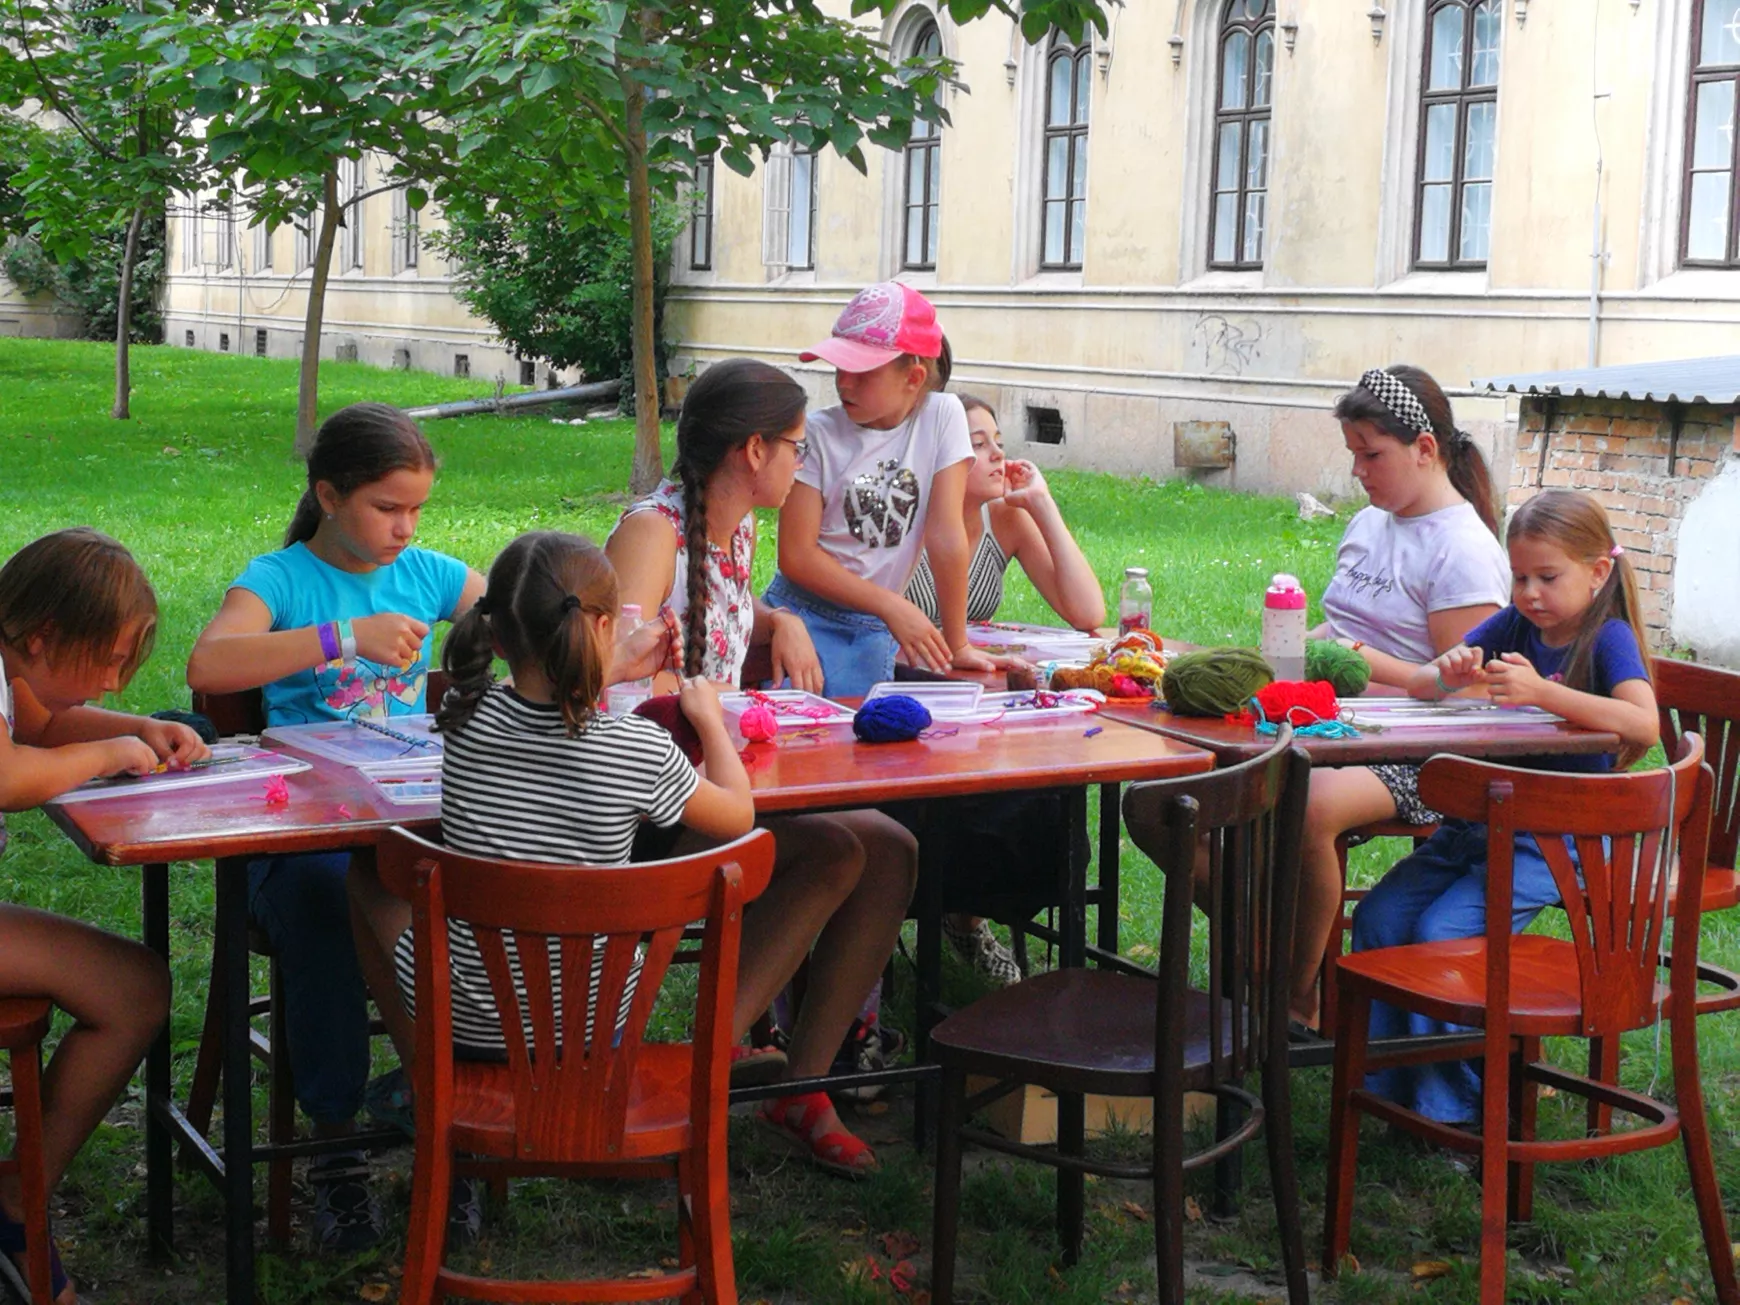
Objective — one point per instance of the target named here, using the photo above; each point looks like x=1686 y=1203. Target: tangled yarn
x=758 y=725
x=893 y=719
x=1343 y=667
x=1298 y=702
x=1214 y=681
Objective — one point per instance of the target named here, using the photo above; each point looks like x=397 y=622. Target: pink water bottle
x=1284 y=628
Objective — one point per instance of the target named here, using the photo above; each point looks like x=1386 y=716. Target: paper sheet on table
x=1412 y=713
x=362 y=741
x=229 y=763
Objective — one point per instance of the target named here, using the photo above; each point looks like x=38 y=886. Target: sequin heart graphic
x=881 y=504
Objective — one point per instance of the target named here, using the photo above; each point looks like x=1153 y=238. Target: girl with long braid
x=841 y=882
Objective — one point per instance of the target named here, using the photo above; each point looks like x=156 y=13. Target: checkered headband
x=1402 y=402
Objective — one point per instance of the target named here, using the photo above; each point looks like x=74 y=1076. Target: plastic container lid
x=1284 y=593
x=1138 y=572
x=630 y=612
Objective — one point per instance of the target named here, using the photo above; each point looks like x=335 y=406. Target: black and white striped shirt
x=984 y=578
x=515 y=786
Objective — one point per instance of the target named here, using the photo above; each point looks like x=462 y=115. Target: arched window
x=922 y=176
x=1063 y=209
x=1458 y=134
x=1707 y=231
x=1241 y=134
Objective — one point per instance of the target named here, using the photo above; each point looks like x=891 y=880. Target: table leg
x=159 y=1174
x=1073 y=953
x=238 y=1184
x=927 y=908
x=1111 y=828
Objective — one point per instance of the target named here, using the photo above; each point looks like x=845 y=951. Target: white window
x=353 y=232
x=407 y=235
x=701 y=216
x=921 y=176
x=191 y=235
x=1239 y=197
x=306 y=225
x=1459 y=136
x=226 y=237
x=789 y=211
x=263 y=247
x=1063 y=212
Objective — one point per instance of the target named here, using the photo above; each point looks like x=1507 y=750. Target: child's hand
x=128 y=755
x=173 y=743
x=642 y=653
x=1513 y=681
x=969 y=658
x=794 y=655
x=1023 y=485
x=921 y=641
x=390 y=638
x=1461 y=667
x=700 y=703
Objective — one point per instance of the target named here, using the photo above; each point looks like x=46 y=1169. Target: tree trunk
x=124 y=318
x=648 y=457
x=308 y=384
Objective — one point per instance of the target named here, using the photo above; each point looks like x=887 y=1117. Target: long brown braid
x=731 y=401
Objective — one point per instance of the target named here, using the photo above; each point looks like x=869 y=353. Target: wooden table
x=331 y=806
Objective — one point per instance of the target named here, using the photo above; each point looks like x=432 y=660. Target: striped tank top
x=984 y=578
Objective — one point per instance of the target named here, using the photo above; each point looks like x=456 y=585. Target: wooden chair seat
x=24 y=1021
x=658 y=1122
x=1447 y=981
x=1077 y=1031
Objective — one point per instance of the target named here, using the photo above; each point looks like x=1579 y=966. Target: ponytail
x=542 y=588
x=357 y=446
x=1395 y=399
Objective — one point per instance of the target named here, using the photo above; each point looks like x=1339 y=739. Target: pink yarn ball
x=758 y=725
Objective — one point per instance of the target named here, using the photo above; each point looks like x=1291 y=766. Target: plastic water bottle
x=1135 y=601
x=629 y=694
x=1284 y=627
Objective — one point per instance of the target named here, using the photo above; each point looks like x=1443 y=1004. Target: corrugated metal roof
x=1685 y=380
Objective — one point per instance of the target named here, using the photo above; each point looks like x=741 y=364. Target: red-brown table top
x=332 y=805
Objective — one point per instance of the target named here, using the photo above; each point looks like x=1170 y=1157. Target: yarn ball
x=893 y=719
x=1298 y=702
x=667 y=710
x=1343 y=667
x=758 y=725
x=1214 y=681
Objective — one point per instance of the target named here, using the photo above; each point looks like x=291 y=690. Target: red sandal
x=794 y=1120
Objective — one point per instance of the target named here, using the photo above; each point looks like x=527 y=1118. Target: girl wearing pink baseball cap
x=884 y=482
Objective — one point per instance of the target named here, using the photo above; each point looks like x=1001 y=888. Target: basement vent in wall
x=462 y=364
x=1044 y=426
x=346 y=352
x=190 y=339
x=528 y=372
x=223 y=341
x=402 y=359
x=260 y=343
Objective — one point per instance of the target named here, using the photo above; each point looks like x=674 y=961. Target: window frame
x=1696 y=76
x=779 y=201
x=1076 y=132
x=925 y=140
x=1245 y=117
x=353 y=248
x=192 y=237
x=1463 y=97
x=404 y=234
x=701 y=214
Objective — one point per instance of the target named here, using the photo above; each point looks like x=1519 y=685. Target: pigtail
x=468 y=657
x=304 y=521
x=695 y=543
x=575 y=666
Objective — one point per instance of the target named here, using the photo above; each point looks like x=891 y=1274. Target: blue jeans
x=300 y=902
x=1434 y=894
x=855 y=648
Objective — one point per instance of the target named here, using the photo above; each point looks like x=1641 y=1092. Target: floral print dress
x=730 y=601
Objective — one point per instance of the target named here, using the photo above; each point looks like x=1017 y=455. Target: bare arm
x=168 y=740
x=804 y=561
x=945 y=542
x=1048 y=553
x=1446 y=629
x=721 y=806
x=239 y=649
x=1512 y=681
x=33 y=772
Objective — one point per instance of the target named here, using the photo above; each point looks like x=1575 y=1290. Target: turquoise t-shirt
x=301 y=590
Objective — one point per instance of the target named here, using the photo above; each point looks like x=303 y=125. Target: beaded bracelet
x=1444 y=690
x=346 y=644
x=331 y=647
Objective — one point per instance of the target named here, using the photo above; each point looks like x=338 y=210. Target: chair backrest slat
x=1705 y=700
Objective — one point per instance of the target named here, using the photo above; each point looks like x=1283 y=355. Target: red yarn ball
x=1298 y=702
x=758 y=725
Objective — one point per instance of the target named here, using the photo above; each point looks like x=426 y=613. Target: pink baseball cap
x=879 y=325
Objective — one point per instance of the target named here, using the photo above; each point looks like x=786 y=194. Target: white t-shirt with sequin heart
x=875 y=484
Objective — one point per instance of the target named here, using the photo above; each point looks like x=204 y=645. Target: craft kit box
x=1029 y=1114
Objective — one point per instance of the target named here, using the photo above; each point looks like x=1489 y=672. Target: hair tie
x=570 y=603
x=1394 y=394
x=481 y=606
x=1616 y=551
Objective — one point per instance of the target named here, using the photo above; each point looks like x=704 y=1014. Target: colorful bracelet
x=331 y=648
x=346 y=644
x=1444 y=690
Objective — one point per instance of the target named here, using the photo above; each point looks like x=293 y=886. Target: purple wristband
x=329 y=645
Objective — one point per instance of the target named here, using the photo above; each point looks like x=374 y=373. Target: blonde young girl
x=841 y=882
x=535 y=770
x=1570 y=642
x=76 y=619
x=885 y=479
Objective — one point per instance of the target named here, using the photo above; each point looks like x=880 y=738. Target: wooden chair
x=1076 y=1030
x=24 y=1024
x=244 y=713
x=1350 y=897
x=1516 y=990
x=572 y=1100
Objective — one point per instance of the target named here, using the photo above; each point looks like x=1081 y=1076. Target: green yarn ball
x=1214 y=681
x=1342 y=667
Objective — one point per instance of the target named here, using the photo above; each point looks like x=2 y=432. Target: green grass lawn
x=204 y=478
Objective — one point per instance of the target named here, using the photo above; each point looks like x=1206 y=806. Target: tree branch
x=54 y=99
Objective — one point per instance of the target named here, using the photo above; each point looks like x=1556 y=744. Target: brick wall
x=1618 y=450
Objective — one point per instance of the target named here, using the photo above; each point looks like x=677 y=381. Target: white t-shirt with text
x=1392 y=572
x=875 y=484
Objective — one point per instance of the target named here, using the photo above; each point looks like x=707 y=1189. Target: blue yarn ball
x=893 y=719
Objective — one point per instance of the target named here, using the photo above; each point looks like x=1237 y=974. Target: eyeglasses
x=800 y=447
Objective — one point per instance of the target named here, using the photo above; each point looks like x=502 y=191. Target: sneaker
x=347 y=1217
x=389 y=1102
x=465 y=1209
x=980 y=949
x=867 y=1048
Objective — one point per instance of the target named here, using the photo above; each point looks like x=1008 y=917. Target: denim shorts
x=855 y=648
